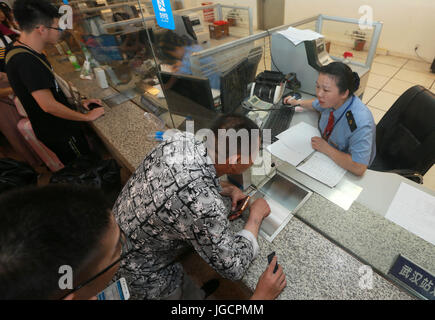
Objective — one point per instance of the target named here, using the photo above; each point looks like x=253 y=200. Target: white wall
x=241 y=3
x=406 y=22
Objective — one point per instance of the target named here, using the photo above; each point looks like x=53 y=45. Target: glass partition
x=123 y=39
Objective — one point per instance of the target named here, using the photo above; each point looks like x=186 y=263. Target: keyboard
x=279 y=120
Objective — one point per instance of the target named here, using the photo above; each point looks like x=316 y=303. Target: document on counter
x=298 y=140
x=294 y=146
x=414 y=210
x=323 y=168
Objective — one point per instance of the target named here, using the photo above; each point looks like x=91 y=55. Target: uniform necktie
x=329 y=126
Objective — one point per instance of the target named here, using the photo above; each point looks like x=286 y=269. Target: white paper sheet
x=323 y=168
x=414 y=210
x=298 y=139
x=280 y=150
x=297 y=36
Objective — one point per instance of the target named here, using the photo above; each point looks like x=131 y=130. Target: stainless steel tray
x=284 y=197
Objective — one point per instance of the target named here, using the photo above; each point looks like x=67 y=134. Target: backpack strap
x=67 y=90
x=16 y=51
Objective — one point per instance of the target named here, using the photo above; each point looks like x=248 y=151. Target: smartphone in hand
x=269 y=260
x=241 y=206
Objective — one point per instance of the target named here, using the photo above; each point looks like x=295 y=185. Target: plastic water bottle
x=162 y=135
x=72 y=58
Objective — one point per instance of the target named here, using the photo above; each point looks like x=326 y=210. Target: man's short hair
x=238 y=124
x=44 y=228
x=31 y=13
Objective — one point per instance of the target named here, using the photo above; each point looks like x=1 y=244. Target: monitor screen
x=234 y=83
x=188 y=95
x=104 y=48
x=254 y=58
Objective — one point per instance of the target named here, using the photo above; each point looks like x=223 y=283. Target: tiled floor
x=391 y=76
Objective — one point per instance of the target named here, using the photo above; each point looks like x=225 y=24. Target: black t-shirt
x=27 y=74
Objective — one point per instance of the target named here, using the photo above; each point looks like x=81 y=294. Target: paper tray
x=284 y=197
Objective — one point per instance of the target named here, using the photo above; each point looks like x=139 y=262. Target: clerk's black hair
x=169 y=41
x=345 y=78
x=31 y=13
x=44 y=228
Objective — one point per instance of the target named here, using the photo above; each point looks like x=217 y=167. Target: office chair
x=405 y=136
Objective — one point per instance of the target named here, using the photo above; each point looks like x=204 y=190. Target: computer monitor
x=254 y=58
x=104 y=48
x=234 y=83
x=188 y=95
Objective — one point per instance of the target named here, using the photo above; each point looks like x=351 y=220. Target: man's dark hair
x=345 y=78
x=44 y=228
x=31 y=13
x=236 y=122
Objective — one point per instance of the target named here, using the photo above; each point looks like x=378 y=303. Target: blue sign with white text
x=413 y=276
x=163 y=12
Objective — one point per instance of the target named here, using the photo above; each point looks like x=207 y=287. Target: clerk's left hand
x=87 y=102
x=320 y=144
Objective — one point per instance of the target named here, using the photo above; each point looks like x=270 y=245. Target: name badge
x=414 y=277
x=163 y=13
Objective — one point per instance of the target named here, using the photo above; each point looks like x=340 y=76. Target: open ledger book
x=294 y=147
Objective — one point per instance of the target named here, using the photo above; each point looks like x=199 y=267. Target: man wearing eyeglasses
x=54 y=121
x=45 y=228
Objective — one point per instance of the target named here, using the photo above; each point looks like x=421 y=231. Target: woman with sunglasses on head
x=347 y=128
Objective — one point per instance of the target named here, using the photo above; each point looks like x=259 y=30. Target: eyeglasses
x=126 y=249
x=58 y=29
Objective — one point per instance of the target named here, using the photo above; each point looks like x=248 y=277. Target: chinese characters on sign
x=414 y=277
x=163 y=12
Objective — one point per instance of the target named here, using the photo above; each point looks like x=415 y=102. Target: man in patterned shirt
x=174 y=201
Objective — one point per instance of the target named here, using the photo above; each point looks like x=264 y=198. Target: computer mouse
x=295 y=95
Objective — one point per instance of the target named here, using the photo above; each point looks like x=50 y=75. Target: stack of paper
x=322 y=168
x=297 y=36
x=294 y=146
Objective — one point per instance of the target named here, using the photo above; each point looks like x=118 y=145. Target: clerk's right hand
x=259 y=208
x=95 y=114
x=291 y=101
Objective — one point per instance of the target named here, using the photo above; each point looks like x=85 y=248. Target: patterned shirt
x=171 y=203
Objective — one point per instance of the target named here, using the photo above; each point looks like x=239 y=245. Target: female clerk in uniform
x=346 y=124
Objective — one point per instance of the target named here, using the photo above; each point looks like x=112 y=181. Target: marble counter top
x=315 y=268
x=123 y=128
x=371 y=237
